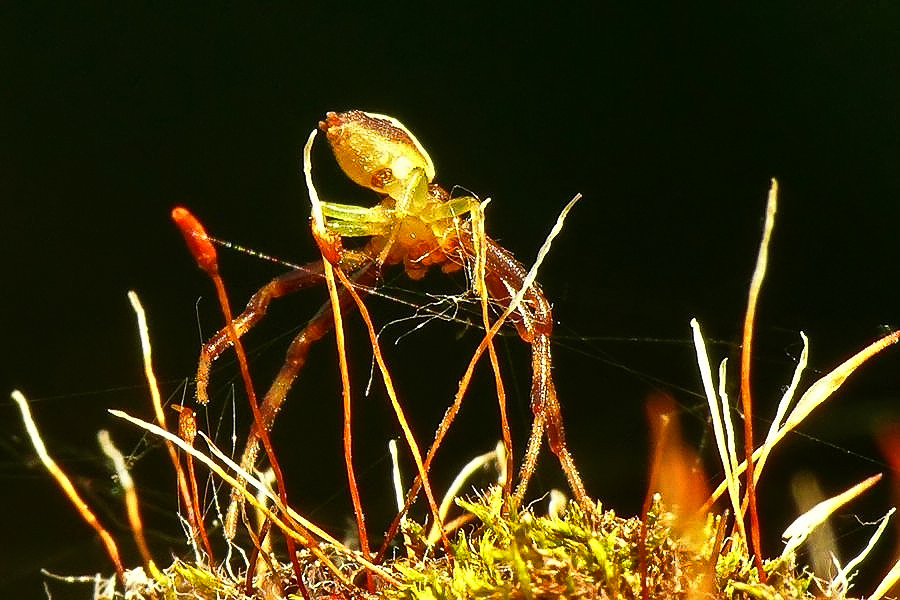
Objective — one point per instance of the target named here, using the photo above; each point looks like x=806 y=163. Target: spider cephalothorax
x=417 y=222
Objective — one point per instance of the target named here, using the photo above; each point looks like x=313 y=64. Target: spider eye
x=366 y=145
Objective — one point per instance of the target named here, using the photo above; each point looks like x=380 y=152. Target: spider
x=419 y=225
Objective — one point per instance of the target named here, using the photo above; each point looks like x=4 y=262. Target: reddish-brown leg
x=504 y=277
x=295 y=360
x=318 y=326
x=308 y=275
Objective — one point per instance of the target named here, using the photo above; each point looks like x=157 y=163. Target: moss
x=530 y=556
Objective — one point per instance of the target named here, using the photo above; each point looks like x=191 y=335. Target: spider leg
x=504 y=276
x=295 y=359
x=283 y=285
x=310 y=274
x=548 y=416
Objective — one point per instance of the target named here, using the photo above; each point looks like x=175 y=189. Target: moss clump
x=528 y=556
x=568 y=556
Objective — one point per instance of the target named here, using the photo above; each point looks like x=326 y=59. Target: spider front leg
x=295 y=359
x=298 y=279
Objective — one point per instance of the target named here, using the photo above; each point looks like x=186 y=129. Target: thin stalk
x=759 y=274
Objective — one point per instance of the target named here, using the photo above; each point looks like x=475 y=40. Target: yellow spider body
x=416 y=222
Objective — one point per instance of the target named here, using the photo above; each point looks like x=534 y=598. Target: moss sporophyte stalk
x=688 y=542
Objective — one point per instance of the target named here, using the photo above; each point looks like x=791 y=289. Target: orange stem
x=205 y=255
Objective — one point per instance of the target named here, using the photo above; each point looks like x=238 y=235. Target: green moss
x=530 y=556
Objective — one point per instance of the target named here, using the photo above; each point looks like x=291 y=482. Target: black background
x=670 y=121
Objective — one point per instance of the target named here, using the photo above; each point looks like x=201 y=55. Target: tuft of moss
x=529 y=556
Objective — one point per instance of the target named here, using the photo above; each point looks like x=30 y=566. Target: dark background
x=670 y=121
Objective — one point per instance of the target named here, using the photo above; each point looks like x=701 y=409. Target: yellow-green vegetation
x=567 y=556
x=531 y=556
